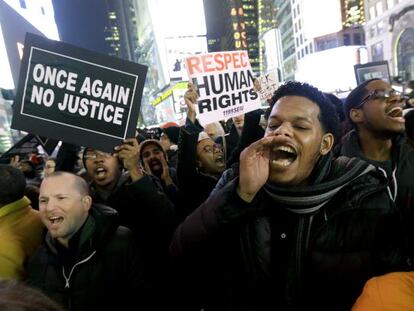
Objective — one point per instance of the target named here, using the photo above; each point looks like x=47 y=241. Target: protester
x=28 y=168
x=49 y=167
x=169 y=142
x=20 y=225
x=154 y=159
x=231 y=139
x=86 y=260
x=15 y=296
x=142 y=207
x=376 y=111
x=297 y=230
x=390 y=292
x=200 y=159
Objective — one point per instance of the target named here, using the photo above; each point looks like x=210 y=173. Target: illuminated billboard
x=312 y=12
x=322 y=69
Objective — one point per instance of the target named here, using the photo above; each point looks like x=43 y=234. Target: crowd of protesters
x=295 y=207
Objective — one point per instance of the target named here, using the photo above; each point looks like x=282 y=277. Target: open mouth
x=283 y=156
x=396 y=113
x=100 y=172
x=54 y=220
x=219 y=160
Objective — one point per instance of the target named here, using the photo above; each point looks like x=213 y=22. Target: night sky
x=82 y=23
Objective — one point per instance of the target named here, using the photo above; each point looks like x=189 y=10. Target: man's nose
x=283 y=129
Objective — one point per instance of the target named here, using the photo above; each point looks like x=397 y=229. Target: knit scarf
x=328 y=178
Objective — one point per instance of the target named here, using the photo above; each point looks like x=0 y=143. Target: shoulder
x=393 y=290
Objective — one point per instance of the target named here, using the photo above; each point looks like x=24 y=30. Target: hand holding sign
x=78 y=96
x=190 y=98
x=128 y=153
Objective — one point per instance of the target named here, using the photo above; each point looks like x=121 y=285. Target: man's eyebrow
x=302 y=119
x=297 y=118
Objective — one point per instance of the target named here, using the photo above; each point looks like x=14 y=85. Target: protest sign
x=266 y=85
x=373 y=70
x=77 y=96
x=26 y=146
x=224 y=82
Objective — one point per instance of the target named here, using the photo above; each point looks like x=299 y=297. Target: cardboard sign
x=77 y=96
x=266 y=85
x=224 y=82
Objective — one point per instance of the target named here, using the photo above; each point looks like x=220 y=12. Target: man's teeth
x=100 y=171
x=55 y=219
x=395 y=112
x=286 y=148
x=282 y=162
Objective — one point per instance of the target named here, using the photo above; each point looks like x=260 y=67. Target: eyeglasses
x=382 y=95
x=92 y=155
x=213 y=148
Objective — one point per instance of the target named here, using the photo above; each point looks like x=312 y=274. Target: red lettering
x=207 y=64
x=227 y=60
x=236 y=60
x=244 y=59
x=219 y=61
x=193 y=64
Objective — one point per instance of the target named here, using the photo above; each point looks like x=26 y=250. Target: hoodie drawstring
x=392 y=196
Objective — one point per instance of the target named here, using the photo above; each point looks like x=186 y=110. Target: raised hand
x=128 y=153
x=254 y=168
x=165 y=176
x=190 y=98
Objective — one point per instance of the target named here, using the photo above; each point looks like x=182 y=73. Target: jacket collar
x=14 y=206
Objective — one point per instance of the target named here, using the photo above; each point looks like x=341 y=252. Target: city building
x=16 y=18
x=389 y=32
x=284 y=22
x=121 y=30
x=266 y=22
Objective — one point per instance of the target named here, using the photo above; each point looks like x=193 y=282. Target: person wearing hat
x=154 y=160
x=169 y=142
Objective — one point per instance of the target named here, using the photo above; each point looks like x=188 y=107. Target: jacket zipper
x=67 y=279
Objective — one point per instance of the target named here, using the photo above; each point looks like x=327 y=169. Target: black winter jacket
x=401 y=179
x=100 y=273
x=261 y=256
x=146 y=210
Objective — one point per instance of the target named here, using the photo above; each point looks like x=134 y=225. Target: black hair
x=339 y=106
x=355 y=98
x=12 y=184
x=327 y=116
x=17 y=296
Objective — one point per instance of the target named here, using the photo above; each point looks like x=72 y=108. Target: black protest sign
x=77 y=96
x=25 y=146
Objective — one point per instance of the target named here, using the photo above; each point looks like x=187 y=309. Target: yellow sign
x=169 y=92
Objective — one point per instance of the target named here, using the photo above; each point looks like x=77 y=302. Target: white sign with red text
x=224 y=82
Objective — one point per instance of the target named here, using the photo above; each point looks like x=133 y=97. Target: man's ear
x=327 y=143
x=356 y=115
x=86 y=202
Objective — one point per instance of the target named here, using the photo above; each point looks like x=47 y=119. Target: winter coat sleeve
x=211 y=221
x=250 y=133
